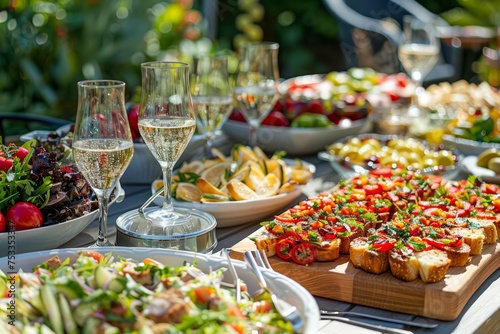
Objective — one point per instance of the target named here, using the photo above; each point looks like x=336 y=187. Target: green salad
x=100 y=294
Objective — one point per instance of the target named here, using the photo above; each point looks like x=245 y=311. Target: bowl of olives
x=362 y=153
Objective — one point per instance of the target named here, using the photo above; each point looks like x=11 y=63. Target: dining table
x=481 y=313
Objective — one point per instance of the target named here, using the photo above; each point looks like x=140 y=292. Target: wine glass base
x=101 y=244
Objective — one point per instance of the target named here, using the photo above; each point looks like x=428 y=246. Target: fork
x=262 y=260
x=287 y=311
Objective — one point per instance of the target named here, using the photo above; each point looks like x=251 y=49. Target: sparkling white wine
x=212 y=112
x=102 y=161
x=418 y=57
x=167 y=137
x=256 y=102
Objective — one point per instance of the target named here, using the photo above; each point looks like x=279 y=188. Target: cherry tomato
x=24 y=215
x=133 y=120
x=284 y=248
x=490 y=188
x=5 y=164
x=93 y=254
x=382 y=172
x=372 y=189
x=276 y=118
x=237 y=115
x=21 y=153
x=303 y=253
x=3 y=223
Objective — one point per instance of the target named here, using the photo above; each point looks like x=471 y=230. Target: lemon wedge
x=240 y=191
x=187 y=192
x=269 y=186
x=206 y=187
x=214 y=173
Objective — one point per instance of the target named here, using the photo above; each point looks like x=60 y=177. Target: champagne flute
x=212 y=96
x=256 y=83
x=102 y=142
x=166 y=123
x=418 y=54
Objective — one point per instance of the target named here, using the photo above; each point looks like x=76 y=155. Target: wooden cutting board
x=339 y=280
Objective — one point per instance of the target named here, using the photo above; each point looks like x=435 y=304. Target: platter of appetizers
x=393 y=232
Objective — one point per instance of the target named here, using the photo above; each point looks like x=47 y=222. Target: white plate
x=49 y=237
x=283 y=286
x=295 y=141
x=467 y=146
x=469 y=165
x=235 y=213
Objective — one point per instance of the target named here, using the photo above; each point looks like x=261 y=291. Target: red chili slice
x=382 y=245
x=291 y=235
x=303 y=253
x=284 y=248
x=287 y=219
x=434 y=243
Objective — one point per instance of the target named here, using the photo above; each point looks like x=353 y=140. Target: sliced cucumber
x=91 y=325
x=83 y=312
x=46 y=330
x=67 y=316
x=102 y=276
x=117 y=284
x=51 y=306
x=70 y=289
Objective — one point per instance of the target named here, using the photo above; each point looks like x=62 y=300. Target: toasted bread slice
x=433 y=265
x=345 y=241
x=328 y=251
x=489 y=229
x=474 y=237
x=266 y=242
x=403 y=266
x=375 y=262
x=459 y=256
x=357 y=250
x=367 y=259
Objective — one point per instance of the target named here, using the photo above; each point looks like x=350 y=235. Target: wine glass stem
x=102 y=237
x=167 y=189
x=209 y=143
x=253 y=134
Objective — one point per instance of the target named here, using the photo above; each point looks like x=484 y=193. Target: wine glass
x=418 y=54
x=167 y=123
x=102 y=142
x=256 y=83
x=211 y=94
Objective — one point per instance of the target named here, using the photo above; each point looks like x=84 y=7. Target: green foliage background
x=47 y=46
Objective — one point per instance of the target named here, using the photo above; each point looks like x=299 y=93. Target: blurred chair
x=13 y=125
x=371 y=31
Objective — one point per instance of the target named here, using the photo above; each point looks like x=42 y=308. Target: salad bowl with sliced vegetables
x=142 y=290
x=44 y=200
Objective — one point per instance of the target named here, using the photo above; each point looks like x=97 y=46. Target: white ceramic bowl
x=347 y=170
x=235 y=213
x=295 y=141
x=49 y=237
x=282 y=286
x=467 y=146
